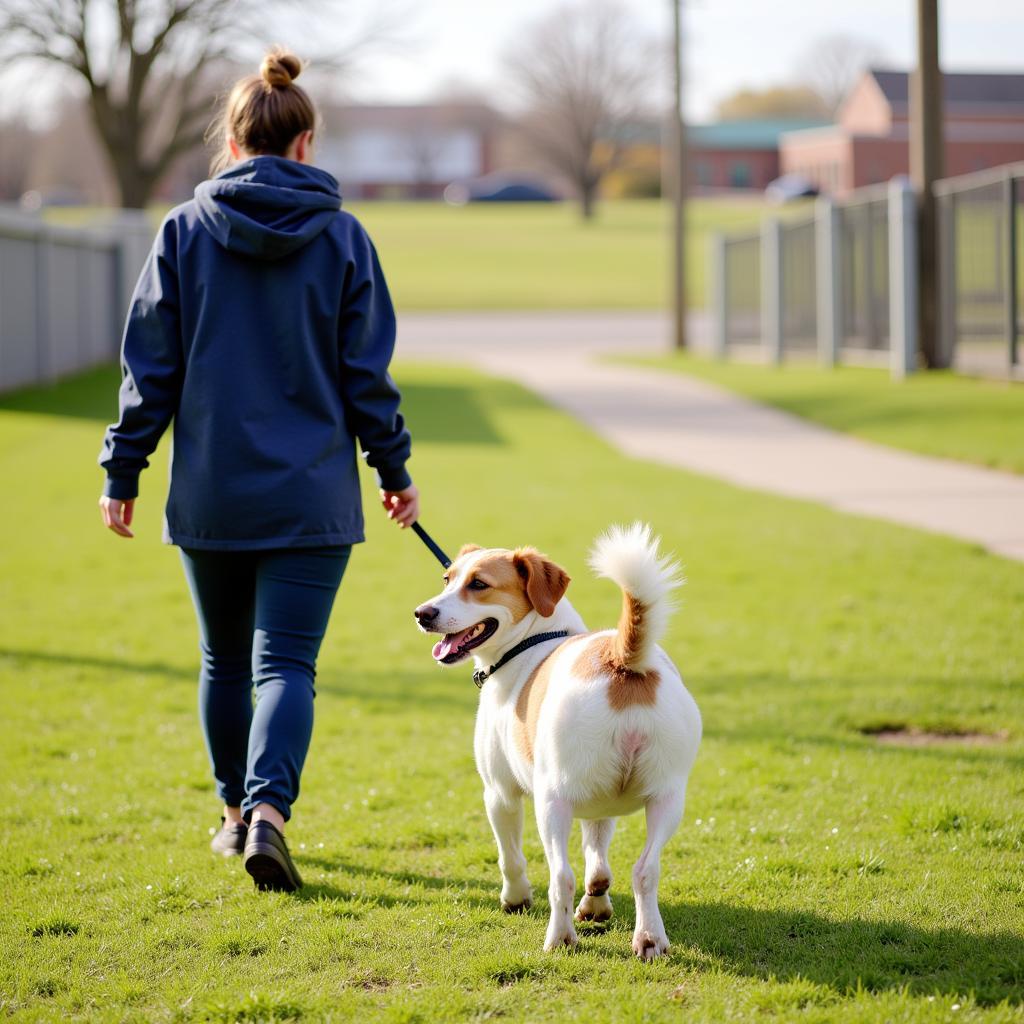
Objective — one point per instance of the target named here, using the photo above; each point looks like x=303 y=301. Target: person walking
x=262 y=326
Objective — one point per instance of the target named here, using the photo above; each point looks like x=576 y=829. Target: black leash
x=429 y=541
x=481 y=675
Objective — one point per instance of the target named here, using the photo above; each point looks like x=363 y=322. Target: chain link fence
x=742 y=262
x=981 y=250
x=799 y=313
x=864 y=269
x=832 y=285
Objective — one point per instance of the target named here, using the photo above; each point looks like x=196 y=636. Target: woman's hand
x=402 y=506
x=117 y=515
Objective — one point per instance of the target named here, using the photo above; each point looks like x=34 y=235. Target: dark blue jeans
x=262 y=616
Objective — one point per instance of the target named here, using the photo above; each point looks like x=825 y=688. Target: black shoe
x=268 y=861
x=230 y=839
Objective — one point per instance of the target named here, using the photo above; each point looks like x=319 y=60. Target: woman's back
x=264 y=315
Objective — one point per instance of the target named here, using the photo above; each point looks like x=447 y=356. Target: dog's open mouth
x=455 y=646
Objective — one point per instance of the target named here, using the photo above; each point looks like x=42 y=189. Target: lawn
x=819 y=875
x=534 y=255
x=936 y=413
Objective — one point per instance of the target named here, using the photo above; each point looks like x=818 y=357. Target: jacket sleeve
x=152 y=367
x=367 y=344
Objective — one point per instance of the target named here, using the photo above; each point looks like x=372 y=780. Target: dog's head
x=491 y=599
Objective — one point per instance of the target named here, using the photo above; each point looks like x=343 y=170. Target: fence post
x=828 y=280
x=903 y=310
x=719 y=295
x=1010 y=264
x=771 y=289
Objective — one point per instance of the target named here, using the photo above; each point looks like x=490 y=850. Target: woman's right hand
x=117 y=515
x=402 y=506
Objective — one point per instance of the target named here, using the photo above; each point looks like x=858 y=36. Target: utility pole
x=926 y=160
x=677 y=163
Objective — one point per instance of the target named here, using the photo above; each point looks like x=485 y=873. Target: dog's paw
x=559 y=936
x=649 y=945
x=517 y=908
x=516 y=896
x=594 y=908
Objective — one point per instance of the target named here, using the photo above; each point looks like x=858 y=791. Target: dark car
x=494 y=188
x=789 y=187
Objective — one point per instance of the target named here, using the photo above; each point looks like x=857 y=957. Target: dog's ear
x=467 y=549
x=545 y=581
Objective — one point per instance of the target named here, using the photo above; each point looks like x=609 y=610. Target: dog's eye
x=478 y=585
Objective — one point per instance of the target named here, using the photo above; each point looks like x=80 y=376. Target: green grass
x=818 y=875
x=535 y=255
x=936 y=413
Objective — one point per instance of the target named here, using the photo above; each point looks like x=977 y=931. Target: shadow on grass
x=438 y=413
x=849 y=955
x=158 y=668
x=447 y=414
x=89 y=396
x=474 y=891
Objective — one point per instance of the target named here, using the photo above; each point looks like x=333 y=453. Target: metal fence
x=798 y=259
x=63 y=293
x=981 y=266
x=843 y=283
x=863 y=222
x=741 y=260
x=840 y=284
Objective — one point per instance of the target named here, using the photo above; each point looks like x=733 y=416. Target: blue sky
x=731 y=43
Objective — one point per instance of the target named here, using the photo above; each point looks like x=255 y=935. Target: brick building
x=739 y=154
x=984 y=127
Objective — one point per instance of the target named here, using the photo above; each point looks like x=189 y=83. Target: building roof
x=959 y=88
x=752 y=134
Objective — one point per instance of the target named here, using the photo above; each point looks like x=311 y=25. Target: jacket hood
x=267 y=206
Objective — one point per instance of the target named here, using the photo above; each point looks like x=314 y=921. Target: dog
x=592 y=725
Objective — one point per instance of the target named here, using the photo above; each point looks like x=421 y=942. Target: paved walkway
x=680 y=421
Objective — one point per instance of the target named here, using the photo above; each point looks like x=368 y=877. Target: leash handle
x=431 y=545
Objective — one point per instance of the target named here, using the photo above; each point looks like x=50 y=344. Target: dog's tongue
x=450 y=643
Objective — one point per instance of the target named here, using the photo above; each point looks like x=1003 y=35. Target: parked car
x=790 y=187
x=498 y=188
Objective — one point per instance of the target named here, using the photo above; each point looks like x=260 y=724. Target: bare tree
x=584 y=74
x=832 y=65
x=20 y=142
x=146 y=67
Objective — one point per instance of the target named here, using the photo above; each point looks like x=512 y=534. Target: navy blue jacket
x=262 y=326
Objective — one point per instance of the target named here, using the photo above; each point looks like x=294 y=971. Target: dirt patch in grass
x=912 y=736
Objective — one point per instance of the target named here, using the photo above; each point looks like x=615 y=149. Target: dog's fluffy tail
x=629 y=556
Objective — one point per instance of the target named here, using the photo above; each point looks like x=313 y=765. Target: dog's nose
x=425 y=614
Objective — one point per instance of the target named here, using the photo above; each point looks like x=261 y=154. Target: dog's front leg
x=663 y=817
x=554 y=822
x=506 y=818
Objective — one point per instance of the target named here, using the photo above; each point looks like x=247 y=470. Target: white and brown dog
x=593 y=725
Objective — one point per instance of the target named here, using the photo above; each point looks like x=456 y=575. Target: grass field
x=937 y=413
x=819 y=875
x=534 y=255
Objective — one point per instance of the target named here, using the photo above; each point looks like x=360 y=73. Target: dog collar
x=481 y=675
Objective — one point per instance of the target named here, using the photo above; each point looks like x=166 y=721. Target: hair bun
x=280 y=68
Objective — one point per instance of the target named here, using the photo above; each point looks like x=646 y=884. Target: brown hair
x=264 y=112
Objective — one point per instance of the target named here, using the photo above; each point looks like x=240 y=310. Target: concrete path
x=680 y=421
